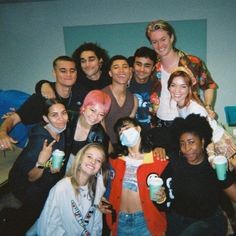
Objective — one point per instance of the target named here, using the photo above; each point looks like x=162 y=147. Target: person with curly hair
x=196 y=189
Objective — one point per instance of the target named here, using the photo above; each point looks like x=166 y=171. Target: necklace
x=135 y=155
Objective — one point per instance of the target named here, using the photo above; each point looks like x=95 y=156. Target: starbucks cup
x=154 y=187
x=220 y=164
x=57 y=159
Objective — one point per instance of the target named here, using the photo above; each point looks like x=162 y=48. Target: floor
x=6 y=161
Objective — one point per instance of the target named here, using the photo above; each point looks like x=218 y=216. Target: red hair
x=97 y=97
x=187 y=77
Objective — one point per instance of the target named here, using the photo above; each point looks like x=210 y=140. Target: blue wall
x=127 y=37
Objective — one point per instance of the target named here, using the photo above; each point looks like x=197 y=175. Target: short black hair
x=147 y=53
x=62 y=58
x=117 y=57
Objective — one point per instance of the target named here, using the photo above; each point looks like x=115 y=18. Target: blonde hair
x=159 y=24
x=75 y=169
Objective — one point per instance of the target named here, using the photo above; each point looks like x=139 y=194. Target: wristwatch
x=39 y=165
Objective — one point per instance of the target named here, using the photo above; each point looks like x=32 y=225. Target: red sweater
x=155 y=220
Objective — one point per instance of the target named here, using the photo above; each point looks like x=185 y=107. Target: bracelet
x=40 y=165
x=162 y=200
x=208 y=107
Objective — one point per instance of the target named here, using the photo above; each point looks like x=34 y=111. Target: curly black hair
x=94 y=47
x=195 y=124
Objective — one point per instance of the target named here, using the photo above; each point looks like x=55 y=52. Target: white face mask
x=54 y=129
x=129 y=137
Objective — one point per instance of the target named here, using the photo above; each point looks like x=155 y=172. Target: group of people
x=117 y=120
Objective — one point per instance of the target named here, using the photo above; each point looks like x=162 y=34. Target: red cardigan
x=155 y=220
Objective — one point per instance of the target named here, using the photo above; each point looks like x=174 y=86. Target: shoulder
x=63 y=185
x=196 y=108
x=191 y=58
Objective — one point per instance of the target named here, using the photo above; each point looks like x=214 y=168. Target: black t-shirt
x=89 y=84
x=196 y=188
x=31 y=111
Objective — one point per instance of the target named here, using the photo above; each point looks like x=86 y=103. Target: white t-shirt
x=167 y=109
x=195 y=108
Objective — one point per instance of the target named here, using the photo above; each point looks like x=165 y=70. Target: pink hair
x=97 y=97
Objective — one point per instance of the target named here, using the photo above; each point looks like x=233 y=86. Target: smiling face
x=94 y=114
x=65 y=73
x=192 y=148
x=120 y=71
x=91 y=161
x=91 y=65
x=179 y=90
x=143 y=68
x=57 y=116
x=161 y=42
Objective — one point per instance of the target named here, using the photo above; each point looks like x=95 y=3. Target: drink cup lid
x=220 y=159
x=58 y=152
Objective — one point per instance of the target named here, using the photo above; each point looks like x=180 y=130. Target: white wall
x=31 y=35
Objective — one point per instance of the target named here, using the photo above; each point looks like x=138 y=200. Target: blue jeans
x=132 y=224
x=215 y=225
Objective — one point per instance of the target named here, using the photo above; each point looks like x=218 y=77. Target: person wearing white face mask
x=32 y=175
x=130 y=175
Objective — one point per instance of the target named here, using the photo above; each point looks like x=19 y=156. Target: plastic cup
x=57 y=159
x=220 y=163
x=154 y=187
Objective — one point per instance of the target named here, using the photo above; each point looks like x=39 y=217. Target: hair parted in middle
x=75 y=168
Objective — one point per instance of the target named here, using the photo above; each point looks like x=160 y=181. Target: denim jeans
x=215 y=225
x=132 y=224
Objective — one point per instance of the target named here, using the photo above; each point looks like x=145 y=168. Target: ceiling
x=19 y=1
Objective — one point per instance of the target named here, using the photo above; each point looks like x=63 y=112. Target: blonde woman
x=71 y=207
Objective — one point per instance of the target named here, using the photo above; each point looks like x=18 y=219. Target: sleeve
x=38 y=86
x=97 y=226
x=167 y=179
x=50 y=222
x=230 y=179
x=29 y=155
x=98 y=135
x=34 y=103
x=201 y=72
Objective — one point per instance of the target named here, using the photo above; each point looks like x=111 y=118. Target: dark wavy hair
x=94 y=47
x=194 y=124
x=146 y=144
